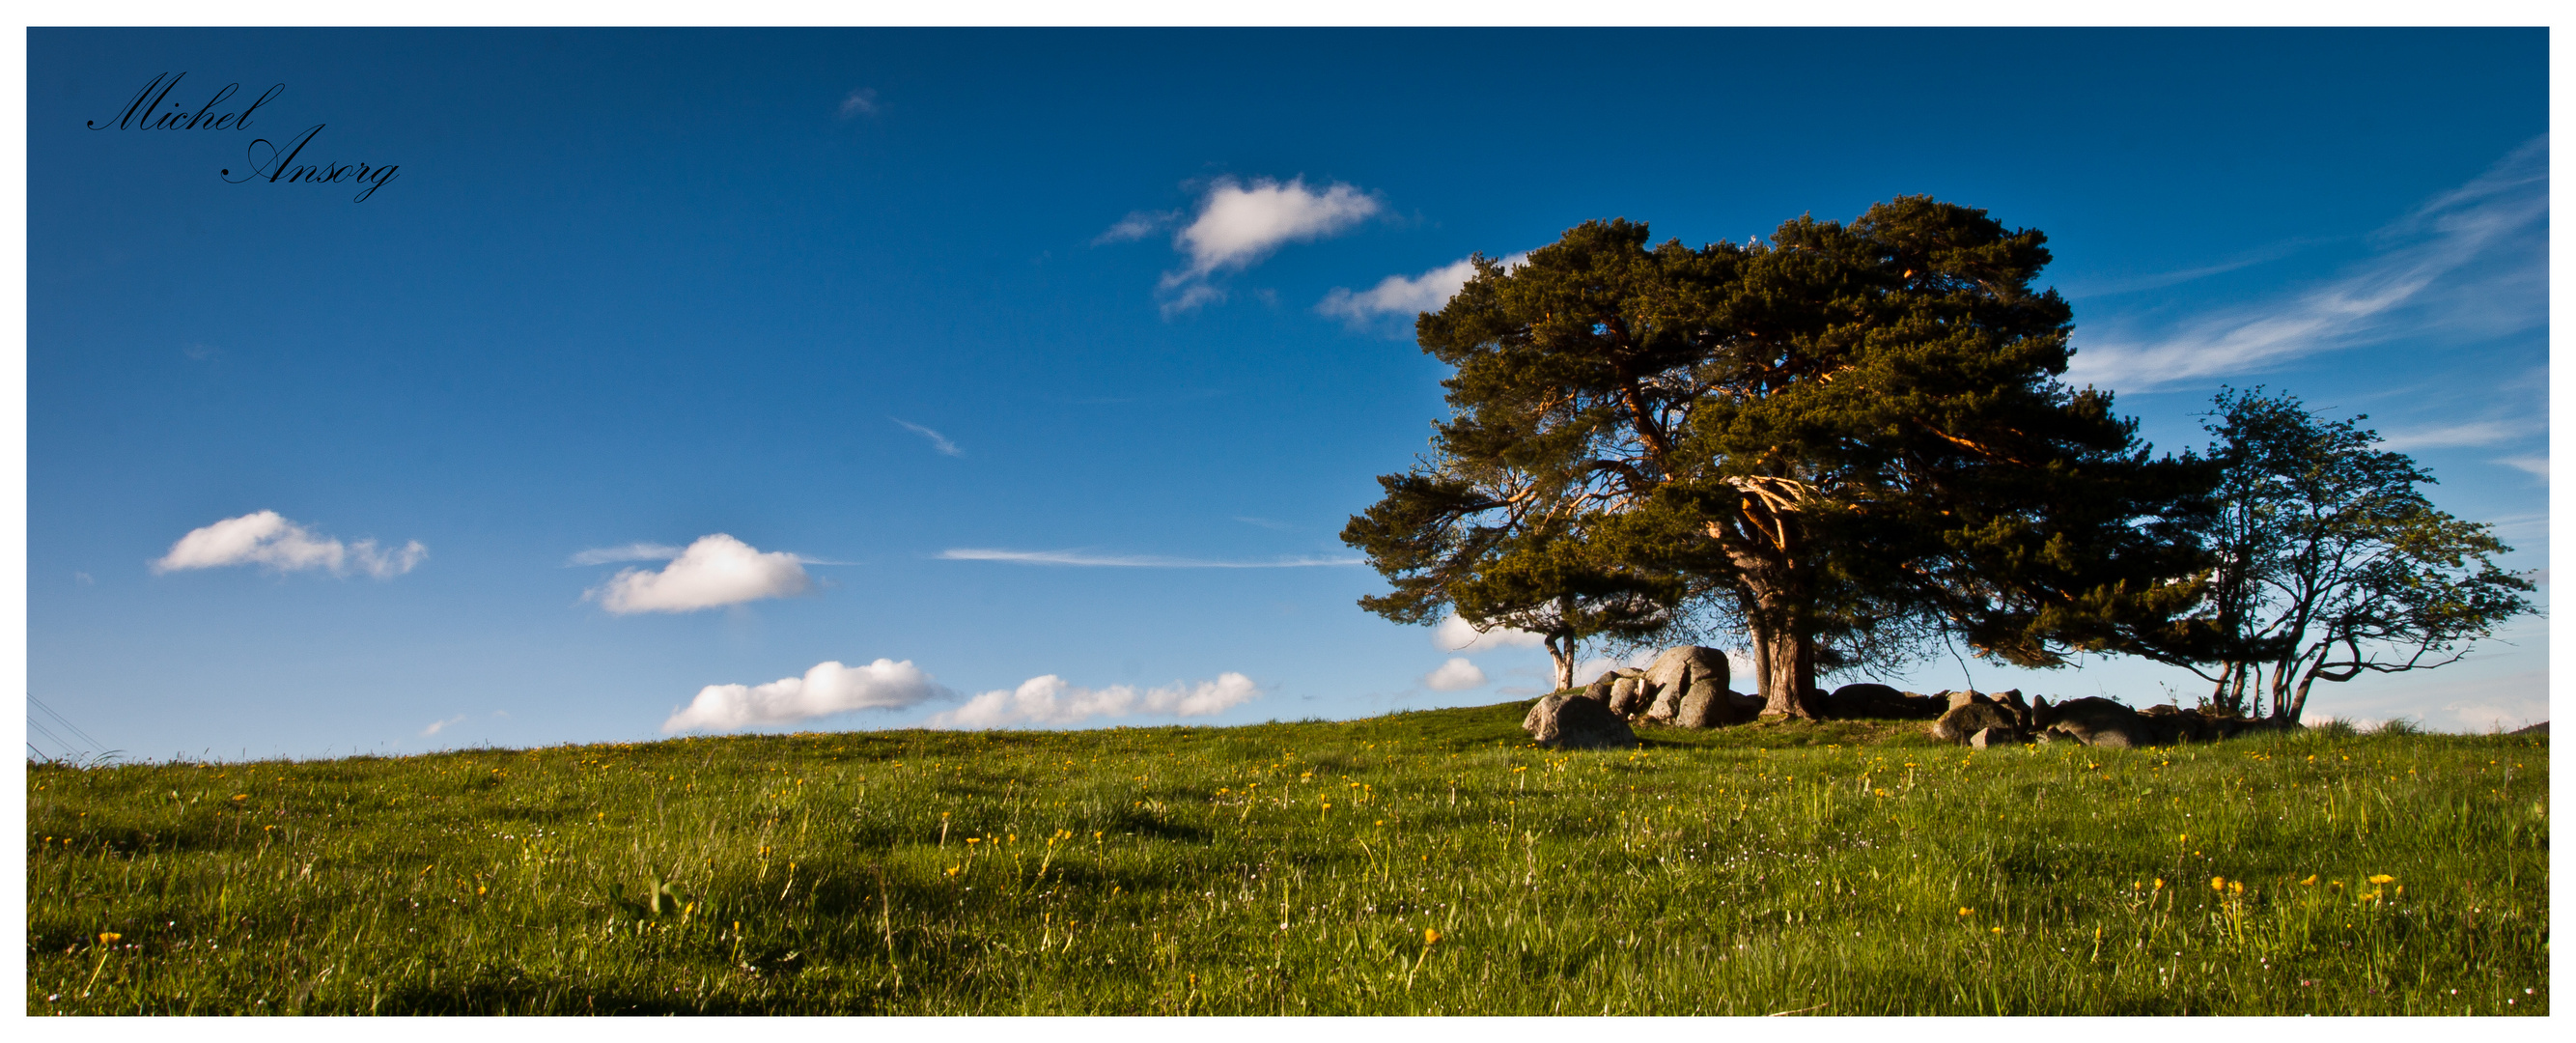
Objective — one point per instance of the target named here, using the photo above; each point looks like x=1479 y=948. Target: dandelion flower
x=1965 y=911
x=2382 y=878
x=1998 y=930
x=2311 y=881
x=104 y=937
x=2218 y=883
x=1430 y=935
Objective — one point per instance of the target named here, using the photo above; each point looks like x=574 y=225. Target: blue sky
x=1029 y=376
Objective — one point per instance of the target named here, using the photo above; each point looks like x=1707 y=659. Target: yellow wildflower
x=2382 y=878
x=1430 y=935
x=2218 y=883
x=104 y=937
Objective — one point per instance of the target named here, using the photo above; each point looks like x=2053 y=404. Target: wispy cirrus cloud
x=1239 y=223
x=2473 y=259
x=2462 y=435
x=938 y=441
x=1404 y=296
x=1050 y=701
x=1131 y=561
x=860 y=102
x=629 y=552
x=267 y=539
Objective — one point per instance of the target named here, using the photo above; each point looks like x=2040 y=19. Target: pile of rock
x=1684 y=686
x=1981 y=720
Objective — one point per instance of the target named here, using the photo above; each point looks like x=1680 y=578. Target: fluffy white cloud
x=828 y=688
x=1130 y=561
x=1457 y=635
x=716 y=570
x=265 y=538
x=438 y=726
x=1454 y=675
x=1398 y=295
x=1239 y=224
x=1049 y=701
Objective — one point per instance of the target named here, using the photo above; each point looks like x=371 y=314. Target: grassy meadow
x=1419 y=863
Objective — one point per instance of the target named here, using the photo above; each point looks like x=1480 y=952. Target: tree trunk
x=1784 y=665
x=1560 y=647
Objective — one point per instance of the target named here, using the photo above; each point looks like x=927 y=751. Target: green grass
x=1847 y=868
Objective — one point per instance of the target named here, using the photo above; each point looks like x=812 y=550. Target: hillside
x=1428 y=862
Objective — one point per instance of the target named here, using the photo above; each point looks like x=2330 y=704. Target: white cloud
x=1136 y=225
x=2501 y=216
x=1131 y=561
x=2474 y=433
x=436 y=726
x=1454 y=675
x=937 y=441
x=265 y=538
x=828 y=688
x=2537 y=466
x=1457 y=635
x=1049 y=700
x=1238 y=225
x=716 y=570
x=861 y=102
x=1397 y=295
x=629 y=552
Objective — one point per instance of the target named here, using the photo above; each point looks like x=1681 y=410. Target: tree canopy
x=2331 y=562
x=1844 y=441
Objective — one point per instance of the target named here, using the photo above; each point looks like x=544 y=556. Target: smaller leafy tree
x=2331 y=563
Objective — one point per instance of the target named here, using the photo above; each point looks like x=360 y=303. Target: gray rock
x=1990 y=738
x=1627 y=696
x=1599 y=690
x=1857 y=701
x=1568 y=721
x=2096 y=721
x=1672 y=672
x=1710 y=705
x=1964 y=720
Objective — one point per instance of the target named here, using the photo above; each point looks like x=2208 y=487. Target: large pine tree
x=1851 y=437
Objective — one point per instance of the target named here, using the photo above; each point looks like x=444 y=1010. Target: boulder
x=1568 y=721
x=2096 y=721
x=1856 y=701
x=1627 y=696
x=1710 y=705
x=1599 y=690
x=1964 y=720
x=1990 y=738
x=1672 y=672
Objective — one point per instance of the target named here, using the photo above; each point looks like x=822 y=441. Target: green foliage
x=1850 y=867
x=2332 y=562
x=1851 y=439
